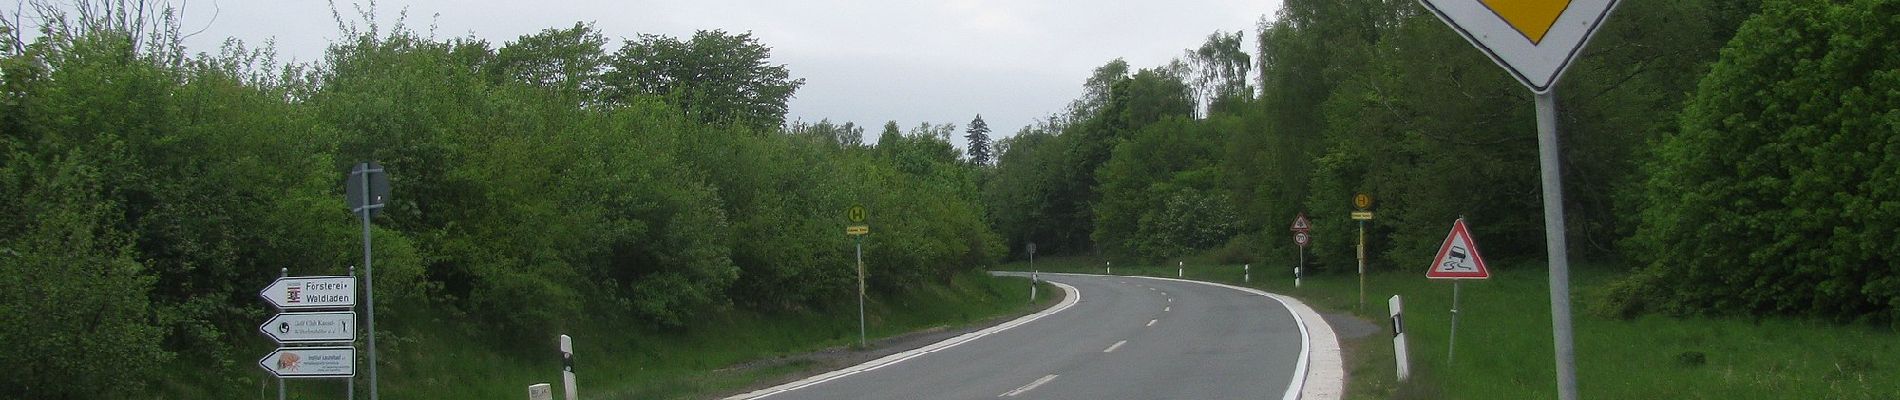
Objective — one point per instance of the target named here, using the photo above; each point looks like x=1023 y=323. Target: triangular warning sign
x=1458 y=258
x=1300 y=224
x=1533 y=39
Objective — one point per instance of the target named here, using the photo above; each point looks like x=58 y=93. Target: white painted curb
x=1320 y=375
x=1067 y=301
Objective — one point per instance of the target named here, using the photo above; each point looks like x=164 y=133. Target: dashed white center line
x=1029 y=387
x=1167 y=309
x=1117 y=345
x=1152 y=322
x=1170 y=299
x=1164 y=293
x=1151 y=288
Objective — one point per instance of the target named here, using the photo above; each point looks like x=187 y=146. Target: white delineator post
x=1034 y=279
x=1181 y=270
x=1398 y=338
x=567 y=368
x=540 y=391
x=1108 y=267
x=1246 y=273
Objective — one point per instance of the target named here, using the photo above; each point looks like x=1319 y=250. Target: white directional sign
x=301 y=292
x=311 y=362
x=1533 y=39
x=1458 y=257
x=311 y=327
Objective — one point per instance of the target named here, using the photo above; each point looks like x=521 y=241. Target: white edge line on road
x=1327 y=373
x=1067 y=301
x=1117 y=345
x=1030 y=386
x=1152 y=322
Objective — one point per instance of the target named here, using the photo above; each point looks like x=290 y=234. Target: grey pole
x=282 y=273
x=352 y=380
x=1555 y=244
x=1451 y=351
x=860 y=246
x=369 y=279
x=1362 y=264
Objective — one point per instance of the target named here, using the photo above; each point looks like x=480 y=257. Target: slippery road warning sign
x=1458 y=256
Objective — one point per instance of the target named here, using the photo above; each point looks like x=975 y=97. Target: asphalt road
x=1124 y=338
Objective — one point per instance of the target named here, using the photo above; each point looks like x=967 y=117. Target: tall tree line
x=1380 y=97
x=146 y=196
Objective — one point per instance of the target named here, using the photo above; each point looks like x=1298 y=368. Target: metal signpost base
x=1451 y=350
x=861 y=292
x=1362 y=265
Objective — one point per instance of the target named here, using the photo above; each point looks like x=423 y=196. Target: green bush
x=1779 y=194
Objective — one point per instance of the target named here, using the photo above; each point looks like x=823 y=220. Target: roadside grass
x=1504 y=344
x=719 y=353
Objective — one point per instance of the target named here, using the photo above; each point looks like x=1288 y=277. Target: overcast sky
x=866 y=61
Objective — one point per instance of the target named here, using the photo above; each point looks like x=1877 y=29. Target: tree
x=563 y=59
x=1221 y=70
x=979 y=136
x=715 y=77
x=1778 y=194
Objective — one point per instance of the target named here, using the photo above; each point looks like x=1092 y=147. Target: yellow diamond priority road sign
x=1533 y=39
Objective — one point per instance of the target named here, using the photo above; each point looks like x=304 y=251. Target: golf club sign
x=294 y=326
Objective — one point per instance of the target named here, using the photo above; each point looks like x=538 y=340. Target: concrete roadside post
x=567 y=368
x=540 y=391
x=1400 y=354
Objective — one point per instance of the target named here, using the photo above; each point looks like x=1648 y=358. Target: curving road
x=1113 y=337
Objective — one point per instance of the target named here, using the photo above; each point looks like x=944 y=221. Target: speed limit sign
x=1301 y=239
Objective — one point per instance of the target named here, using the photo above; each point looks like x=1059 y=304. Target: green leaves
x=716 y=77
x=1771 y=199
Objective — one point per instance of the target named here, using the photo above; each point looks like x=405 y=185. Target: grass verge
x=718 y=354
x=1504 y=344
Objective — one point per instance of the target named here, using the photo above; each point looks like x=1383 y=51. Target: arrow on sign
x=311 y=327
x=311 y=362
x=301 y=292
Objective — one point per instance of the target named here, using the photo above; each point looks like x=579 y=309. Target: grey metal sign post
x=1536 y=42
x=366 y=191
x=857 y=230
